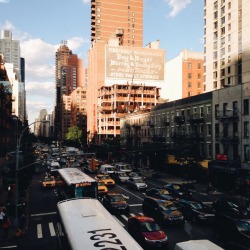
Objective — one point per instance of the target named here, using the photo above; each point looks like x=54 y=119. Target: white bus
x=77 y=184
x=88 y=225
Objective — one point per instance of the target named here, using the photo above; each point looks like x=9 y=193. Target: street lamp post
x=18 y=144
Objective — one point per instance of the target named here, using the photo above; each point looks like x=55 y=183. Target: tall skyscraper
x=10 y=49
x=226 y=43
x=120 y=18
x=69 y=76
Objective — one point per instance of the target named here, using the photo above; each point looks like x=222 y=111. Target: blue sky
x=41 y=25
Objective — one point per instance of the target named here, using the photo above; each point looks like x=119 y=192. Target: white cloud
x=177 y=6
x=4 y=1
x=86 y=1
x=40 y=68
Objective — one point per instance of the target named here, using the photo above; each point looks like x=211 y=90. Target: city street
x=45 y=228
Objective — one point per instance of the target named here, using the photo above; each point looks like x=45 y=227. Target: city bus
x=88 y=225
x=76 y=184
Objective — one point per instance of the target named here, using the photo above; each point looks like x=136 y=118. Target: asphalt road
x=44 y=223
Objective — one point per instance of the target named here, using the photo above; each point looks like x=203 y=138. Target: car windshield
x=163 y=192
x=125 y=167
x=49 y=179
x=150 y=227
x=122 y=175
x=117 y=198
x=167 y=206
x=243 y=225
x=231 y=204
x=196 y=205
x=100 y=183
x=104 y=177
x=138 y=180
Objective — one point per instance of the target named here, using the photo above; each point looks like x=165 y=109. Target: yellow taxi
x=102 y=188
x=49 y=181
x=106 y=179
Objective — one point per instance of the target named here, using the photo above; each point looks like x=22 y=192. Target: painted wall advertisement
x=133 y=63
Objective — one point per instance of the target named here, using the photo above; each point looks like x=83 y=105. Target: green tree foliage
x=74 y=136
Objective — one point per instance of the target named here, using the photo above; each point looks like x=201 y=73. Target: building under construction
x=115 y=101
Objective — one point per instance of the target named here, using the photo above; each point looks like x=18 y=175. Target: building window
x=199 y=65
x=190 y=65
x=209 y=129
x=224 y=109
x=189 y=84
x=246 y=129
x=199 y=76
x=217 y=148
x=189 y=75
x=209 y=150
x=246 y=153
x=246 y=107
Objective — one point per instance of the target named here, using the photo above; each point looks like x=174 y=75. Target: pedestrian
x=1 y=218
x=6 y=226
x=22 y=223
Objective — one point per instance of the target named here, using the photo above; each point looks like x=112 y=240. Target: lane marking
x=141 y=214
x=130 y=192
x=9 y=247
x=119 y=221
x=124 y=217
x=39 y=231
x=59 y=229
x=43 y=214
x=135 y=205
x=52 y=229
x=154 y=184
x=132 y=214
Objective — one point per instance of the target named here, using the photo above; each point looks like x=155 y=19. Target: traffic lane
x=189 y=231
x=41 y=200
x=175 y=233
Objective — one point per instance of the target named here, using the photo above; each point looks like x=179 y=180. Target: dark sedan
x=178 y=190
x=229 y=207
x=159 y=193
x=162 y=211
x=232 y=231
x=116 y=203
x=195 y=211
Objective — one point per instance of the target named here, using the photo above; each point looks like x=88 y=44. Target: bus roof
x=89 y=225
x=74 y=176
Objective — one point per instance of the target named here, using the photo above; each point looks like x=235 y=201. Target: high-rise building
x=226 y=43
x=15 y=67
x=10 y=49
x=119 y=18
x=69 y=76
x=184 y=76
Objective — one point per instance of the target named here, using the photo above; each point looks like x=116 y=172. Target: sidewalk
x=9 y=205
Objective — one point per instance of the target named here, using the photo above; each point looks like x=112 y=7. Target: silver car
x=136 y=183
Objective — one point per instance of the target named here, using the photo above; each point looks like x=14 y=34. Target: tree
x=74 y=136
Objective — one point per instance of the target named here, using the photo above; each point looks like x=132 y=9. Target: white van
x=123 y=167
x=197 y=245
x=106 y=169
